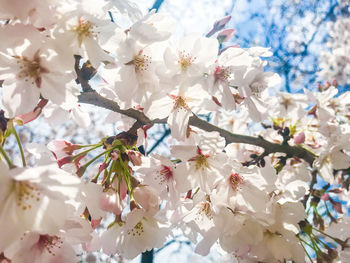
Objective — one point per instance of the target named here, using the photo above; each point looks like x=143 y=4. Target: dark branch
x=291 y=151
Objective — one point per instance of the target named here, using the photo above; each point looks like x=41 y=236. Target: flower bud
x=147 y=197
x=123 y=188
x=225 y=35
x=299 y=137
x=110 y=202
x=115 y=154
x=62 y=148
x=135 y=157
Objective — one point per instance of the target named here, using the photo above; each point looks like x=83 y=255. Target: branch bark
x=94 y=98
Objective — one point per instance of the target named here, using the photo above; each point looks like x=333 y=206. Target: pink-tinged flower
x=34 y=199
x=62 y=148
x=244 y=189
x=62 y=247
x=159 y=172
x=220 y=77
x=34 y=247
x=89 y=197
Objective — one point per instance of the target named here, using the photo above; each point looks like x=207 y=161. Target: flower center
x=205 y=208
x=30 y=69
x=26 y=194
x=200 y=161
x=140 y=61
x=221 y=73
x=235 y=180
x=137 y=230
x=83 y=29
x=179 y=103
x=166 y=172
x=185 y=60
x=258 y=86
x=49 y=243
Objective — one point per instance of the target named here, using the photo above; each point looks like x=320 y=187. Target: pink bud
x=299 y=137
x=336 y=205
x=62 y=148
x=110 y=202
x=325 y=197
x=334 y=83
x=327 y=85
x=225 y=35
x=135 y=157
x=147 y=197
x=30 y=116
x=102 y=167
x=64 y=160
x=218 y=25
x=336 y=191
x=115 y=154
x=123 y=188
x=27 y=117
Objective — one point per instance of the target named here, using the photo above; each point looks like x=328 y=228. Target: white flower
x=178 y=106
x=57 y=115
x=153 y=27
x=31 y=69
x=34 y=199
x=86 y=34
x=201 y=166
x=245 y=189
x=36 y=12
x=139 y=233
x=191 y=58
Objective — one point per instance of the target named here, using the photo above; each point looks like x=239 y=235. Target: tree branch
x=95 y=99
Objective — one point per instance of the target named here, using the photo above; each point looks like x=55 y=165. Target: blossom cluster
x=250 y=198
x=334 y=63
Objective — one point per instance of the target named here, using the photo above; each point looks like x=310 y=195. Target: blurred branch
x=157 y=5
x=95 y=99
x=147 y=257
x=312 y=184
x=159 y=141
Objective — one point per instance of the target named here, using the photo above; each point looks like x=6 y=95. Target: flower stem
x=87 y=151
x=19 y=146
x=301 y=242
x=4 y=154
